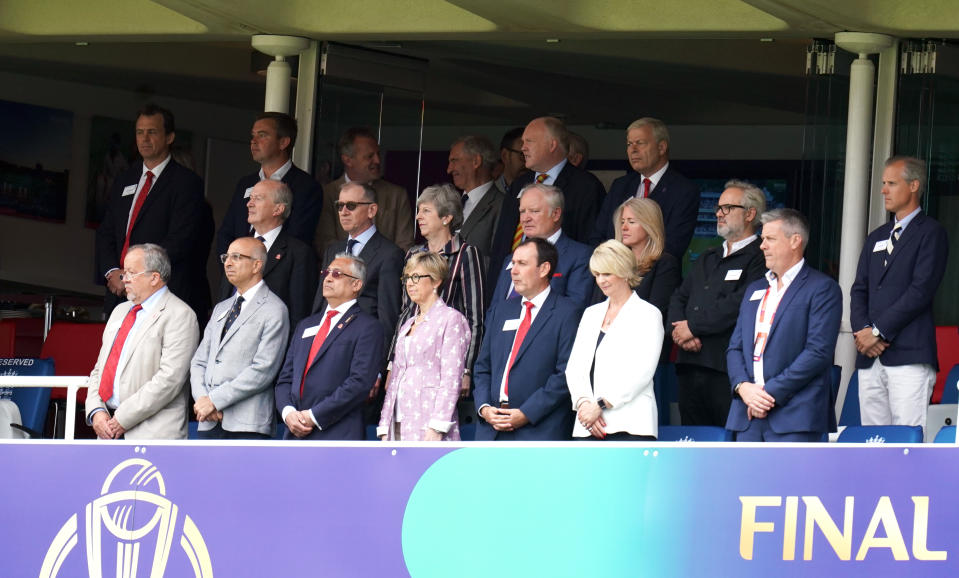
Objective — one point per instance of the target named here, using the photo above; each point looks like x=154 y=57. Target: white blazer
x=625 y=364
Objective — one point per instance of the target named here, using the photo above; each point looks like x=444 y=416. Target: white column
x=278 y=73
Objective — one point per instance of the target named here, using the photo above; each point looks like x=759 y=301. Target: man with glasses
x=290 y=267
x=511 y=157
x=333 y=360
x=234 y=369
x=703 y=310
x=136 y=388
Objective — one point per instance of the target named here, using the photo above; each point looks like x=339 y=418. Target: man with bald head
x=233 y=370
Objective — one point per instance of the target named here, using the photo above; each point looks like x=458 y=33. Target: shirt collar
x=364 y=237
x=151 y=302
x=270 y=236
x=655 y=177
x=476 y=195
x=251 y=292
x=554 y=238
x=788 y=276
x=343 y=308
x=538 y=300
x=553 y=172
x=737 y=245
x=907 y=219
x=279 y=173
x=157 y=169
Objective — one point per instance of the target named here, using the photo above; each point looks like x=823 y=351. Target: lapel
x=484 y=206
x=145 y=324
x=276 y=253
x=156 y=190
x=245 y=314
x=794 y=288
x=905 y=239
x=542 y=318
x=662 y=187
x=335 y=332
x=562 y=179
x=368 y=252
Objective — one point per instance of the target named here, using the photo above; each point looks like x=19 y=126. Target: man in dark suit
x=541 y=212
x=271 y=144
x=703 y=311
x=900 y=268
x=290 y=268
x=470 y=166
x=781 y=352
x=161 y=202
x=332 y=362
x=520 y=374
x=647 y=148
x=545 y=148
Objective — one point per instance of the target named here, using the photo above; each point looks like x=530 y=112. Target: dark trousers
x=619 y=436
x=218 y=433
x=704 y=395
x=758 y=431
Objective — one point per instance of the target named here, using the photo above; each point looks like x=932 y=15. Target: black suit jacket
x=304 y=214
x=478 y=229
x=380 y=296
x=583 y=194
x=174 y=216
x=678 y=197
x=290 y=272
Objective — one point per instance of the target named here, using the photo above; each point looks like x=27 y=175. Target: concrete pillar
x=278 y=73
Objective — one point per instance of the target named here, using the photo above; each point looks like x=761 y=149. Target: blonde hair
x=614 y=258
x=434 y=263
x=650 y=218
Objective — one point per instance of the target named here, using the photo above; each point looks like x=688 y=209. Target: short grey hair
x=554 y=195
x=155 y=258
x=357 y=265
x=660 y=132
x=369 y=193
x=753 y=196
x=282 y=195
x=913 y=169
x=447 y=202
x=793 y=223
x=475 y=145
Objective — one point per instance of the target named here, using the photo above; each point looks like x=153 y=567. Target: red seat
x=74 y=348
x=8 y=332
x=947 y=346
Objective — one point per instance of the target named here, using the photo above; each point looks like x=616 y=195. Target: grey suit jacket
x=238 y=372
x=394 y=219
x=479 y=227
x=150 y=380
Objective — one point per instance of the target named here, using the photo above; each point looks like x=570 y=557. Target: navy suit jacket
x=897 y=297
x=799 y=354
x=678 y=197
x=571 y=279
x=304 y=214
x=340 y=378
x=537 y=384
x=175 y=216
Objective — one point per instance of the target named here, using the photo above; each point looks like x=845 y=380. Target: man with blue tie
x=332 y=362
x=520 y=374
x=541 y=215
x=781 y=352
x=900 y=268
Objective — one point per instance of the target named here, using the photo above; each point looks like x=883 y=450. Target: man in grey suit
x=234 y=369
x=471 y=167
x=136 y=389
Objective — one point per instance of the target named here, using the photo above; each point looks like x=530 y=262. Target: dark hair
x=510 y=137
x=151 y=109
x=545 y=253
x=285 y=126
x=345 y=145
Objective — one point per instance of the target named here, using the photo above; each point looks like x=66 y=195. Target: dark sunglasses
x=350 y=205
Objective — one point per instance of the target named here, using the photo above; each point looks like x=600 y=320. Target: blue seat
x=34 y=402
x=950 y=392
x=693 y=433
x=946 y=435
x=881 y=434
x=850 y=405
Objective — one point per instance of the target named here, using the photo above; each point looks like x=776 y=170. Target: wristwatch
x=875 y=332
x=602 y=404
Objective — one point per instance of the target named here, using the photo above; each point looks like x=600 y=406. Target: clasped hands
x=684 y=338
x=591 y=416
x=504 y=419
x=107 y=428
x=758 y=401
x=868 y=344
x=206 y=411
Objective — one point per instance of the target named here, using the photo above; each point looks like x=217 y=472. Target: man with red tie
x=520 y=374
x=159 y=201
x=136 y=389
x=333 y=360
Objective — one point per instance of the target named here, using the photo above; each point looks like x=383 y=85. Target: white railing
x=73 y=383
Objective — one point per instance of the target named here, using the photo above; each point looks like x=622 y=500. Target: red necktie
x=647 y=184
x=520 y=335
x=110 y=369
x=317 y=344
x=144 y=191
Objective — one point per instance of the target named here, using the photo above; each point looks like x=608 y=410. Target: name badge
x=757 y=295
x=880 y=246
x=127 y=191
x=734 y=274
x=511 y=325
x=246 y=195
x=310 y=331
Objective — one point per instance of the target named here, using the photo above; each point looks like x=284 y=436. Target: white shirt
x=906 y=220
x=249 y=295
x=653 y=180
x=737 y=245
x=474 y=197
x=552 y=174
x=537 y=306
x=766 y=314
x=269 y=237
x=143 y=179
x=279 y=173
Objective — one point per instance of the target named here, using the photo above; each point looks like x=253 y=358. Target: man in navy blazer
x=271 y=144
x=520 y=374
x=781 y=352
x=172 y=213
x=900 y=268
x=647 y=148
x=541 y=212
x=332 y=362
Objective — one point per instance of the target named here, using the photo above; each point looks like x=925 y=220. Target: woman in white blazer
x=610 y=370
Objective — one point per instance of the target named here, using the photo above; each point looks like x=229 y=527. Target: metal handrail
x=72 y=382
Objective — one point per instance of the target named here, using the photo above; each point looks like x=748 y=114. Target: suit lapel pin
x=279 y=256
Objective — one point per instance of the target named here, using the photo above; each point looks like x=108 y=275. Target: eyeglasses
x=233 y=257
x=414 y=277
x=726 y=208
x=336 y=274
x=128 y=276
x=350 y=205
x=514 y=151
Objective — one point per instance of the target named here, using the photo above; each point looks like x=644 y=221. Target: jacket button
x=696 y=308
x=706 y=288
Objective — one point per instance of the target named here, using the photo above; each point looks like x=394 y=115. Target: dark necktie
x=261 y=239
x=110 y=368
x=234 y=313
x=141 y=198
x=350 y=244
